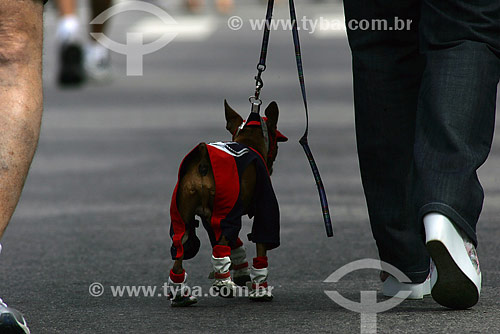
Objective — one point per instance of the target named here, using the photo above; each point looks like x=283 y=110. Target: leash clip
x=259 y=83
x=256 y=103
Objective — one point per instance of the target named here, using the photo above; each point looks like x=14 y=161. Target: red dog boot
x=221 y=261
x=178 y=291
x=241 y=273
x=260 y=290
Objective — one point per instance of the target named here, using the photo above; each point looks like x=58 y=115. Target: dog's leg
x=261 y=250
x=178 y=290
x=258 y=274
x=239 y=264
x=221 y=262
x=177 y=268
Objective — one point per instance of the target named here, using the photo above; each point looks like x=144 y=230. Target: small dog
x=220 y=182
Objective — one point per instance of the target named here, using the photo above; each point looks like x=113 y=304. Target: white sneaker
x=457 y=281
x=392 y=286
x=97 y=63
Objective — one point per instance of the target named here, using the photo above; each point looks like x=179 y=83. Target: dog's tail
x=204 y=169
x=204 y=166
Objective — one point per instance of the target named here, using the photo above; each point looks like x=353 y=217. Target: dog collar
x=270 y=141
x=255 y=120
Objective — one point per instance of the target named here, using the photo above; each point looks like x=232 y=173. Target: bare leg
x=224 y=6
x=98 y=58
x=69 y=25
x=70 y=71
x=194 y=6
x=21 y=99
x=66 y=7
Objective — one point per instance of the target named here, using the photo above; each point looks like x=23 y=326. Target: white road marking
x=187 y=28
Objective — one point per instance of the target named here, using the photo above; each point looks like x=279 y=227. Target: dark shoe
x=71 y=70
x=12 y=321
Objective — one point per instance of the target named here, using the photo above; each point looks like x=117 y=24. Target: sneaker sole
x=454 y=287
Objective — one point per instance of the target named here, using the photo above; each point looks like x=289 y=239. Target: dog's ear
x=233 y=119
x=272 y=114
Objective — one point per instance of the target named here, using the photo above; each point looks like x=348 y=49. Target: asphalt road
x=95 y=205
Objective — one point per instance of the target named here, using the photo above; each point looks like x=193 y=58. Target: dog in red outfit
x=221 y=182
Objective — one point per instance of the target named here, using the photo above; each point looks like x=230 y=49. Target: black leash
x=303 y=140
x=261 y=66
x=256 y=102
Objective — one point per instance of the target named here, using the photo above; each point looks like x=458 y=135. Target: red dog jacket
x=229 y=160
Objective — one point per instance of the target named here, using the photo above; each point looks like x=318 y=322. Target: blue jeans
x=425 y=100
